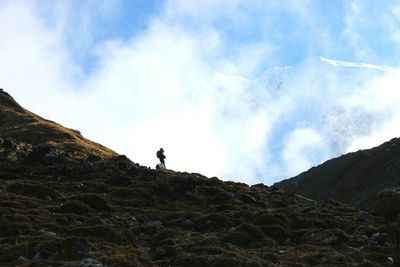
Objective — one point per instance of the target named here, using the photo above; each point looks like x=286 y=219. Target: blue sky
x=252 y=91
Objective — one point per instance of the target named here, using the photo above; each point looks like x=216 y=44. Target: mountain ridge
x=355 y=178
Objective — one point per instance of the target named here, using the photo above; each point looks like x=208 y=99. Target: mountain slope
x=19 y=123
x=354 y=178
x=66 y=201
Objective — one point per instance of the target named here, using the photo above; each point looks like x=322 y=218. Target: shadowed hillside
x=355 y=178
x=67 y=201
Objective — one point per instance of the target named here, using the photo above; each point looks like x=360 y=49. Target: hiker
x=161 y=156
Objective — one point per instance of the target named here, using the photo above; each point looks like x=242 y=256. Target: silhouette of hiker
x=161 y=156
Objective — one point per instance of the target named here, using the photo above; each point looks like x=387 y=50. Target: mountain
x=19 y=123
x=67 y=201
x=355 y=178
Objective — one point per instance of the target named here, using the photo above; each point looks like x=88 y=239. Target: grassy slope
x=20 y=123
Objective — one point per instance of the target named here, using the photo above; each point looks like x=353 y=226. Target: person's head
x=162 y=149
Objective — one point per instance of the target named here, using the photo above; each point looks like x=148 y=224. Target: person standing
x=161 y=156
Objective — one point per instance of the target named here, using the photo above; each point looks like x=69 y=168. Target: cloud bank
x=225 y=93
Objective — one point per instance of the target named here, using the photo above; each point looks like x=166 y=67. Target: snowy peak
x=348 y=64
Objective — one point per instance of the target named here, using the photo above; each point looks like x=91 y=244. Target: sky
x=251 y=91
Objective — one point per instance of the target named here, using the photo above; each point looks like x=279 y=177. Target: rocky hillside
x=355 y=178
x=67 y=201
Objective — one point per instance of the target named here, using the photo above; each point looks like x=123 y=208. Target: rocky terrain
x=67 y=201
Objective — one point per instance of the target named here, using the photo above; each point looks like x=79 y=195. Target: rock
x=36 y=257
x=1 y=141
x=160 y=166
x=327 y=237
x=224 y=196
x=365 y=216
x=9 y=143
x=54 y=153
x=378 y=239
x=155 y=222
x=247 y=198
x=121 y=162
x=48 y=233
x=260 y=185
x=45 y=153
x=22 y=259
x=359 y=238
x=388 y=203
x=248 y=235
x=187 y=224
x=133 y=221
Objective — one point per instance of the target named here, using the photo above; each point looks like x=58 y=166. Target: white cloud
x=383 y=96
x=35 y=64
x=301 y=148
x=187 y=88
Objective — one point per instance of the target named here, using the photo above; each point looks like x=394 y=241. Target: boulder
x=45 y=153
x=327 y=237
x=387 y=204
x=160 y=166
x=247 y=198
